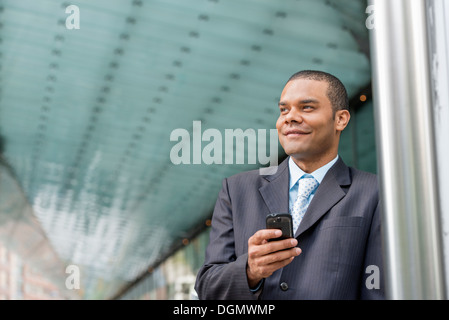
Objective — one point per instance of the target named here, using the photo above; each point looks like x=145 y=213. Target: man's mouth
x=295 y=133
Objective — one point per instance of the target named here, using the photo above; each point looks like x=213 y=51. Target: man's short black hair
x=336 y=92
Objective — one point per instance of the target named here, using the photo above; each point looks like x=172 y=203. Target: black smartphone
x=282 y=221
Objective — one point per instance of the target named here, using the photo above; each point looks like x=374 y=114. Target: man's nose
x=294 y=116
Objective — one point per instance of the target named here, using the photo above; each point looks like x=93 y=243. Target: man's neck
x=309 y=166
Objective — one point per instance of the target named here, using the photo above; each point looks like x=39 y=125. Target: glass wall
x=175 y=277
x=29 y=267
x=358 y=141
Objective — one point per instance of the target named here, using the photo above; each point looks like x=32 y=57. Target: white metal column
x=405 y=141
x=438 y=11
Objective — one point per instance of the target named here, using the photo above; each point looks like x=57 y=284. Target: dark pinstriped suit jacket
x=339 y=237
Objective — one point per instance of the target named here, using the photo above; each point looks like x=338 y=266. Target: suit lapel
x=275 y=193
x=327 y=195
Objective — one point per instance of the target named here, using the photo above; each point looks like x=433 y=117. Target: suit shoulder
x=247 y=176
x=364 y=178
x=261 y=174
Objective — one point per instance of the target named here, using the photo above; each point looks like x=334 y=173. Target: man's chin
x=293 y=151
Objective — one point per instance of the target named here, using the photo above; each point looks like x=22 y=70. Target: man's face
x=307 y=128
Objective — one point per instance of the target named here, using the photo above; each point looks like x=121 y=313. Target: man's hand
x=265 y=257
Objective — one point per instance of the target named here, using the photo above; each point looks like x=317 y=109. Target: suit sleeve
x=373 y=285
x=223 y=275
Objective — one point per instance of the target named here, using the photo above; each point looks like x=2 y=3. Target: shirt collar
x=296 y=173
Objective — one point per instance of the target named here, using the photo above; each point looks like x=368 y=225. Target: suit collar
x=279 y=171
x=275 y=193
x=327 y=195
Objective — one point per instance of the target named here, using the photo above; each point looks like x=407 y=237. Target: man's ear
x=342 y=119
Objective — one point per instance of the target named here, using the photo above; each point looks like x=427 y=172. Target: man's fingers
x=279 y=256
x=267 y=270
x=279 y=245
x=260 y=249
x=265 y=234
x=266 y=257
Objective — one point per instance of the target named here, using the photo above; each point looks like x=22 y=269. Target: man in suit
x=336 y=250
